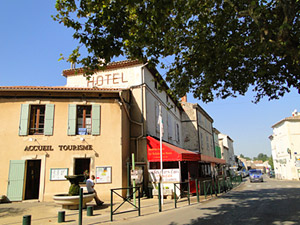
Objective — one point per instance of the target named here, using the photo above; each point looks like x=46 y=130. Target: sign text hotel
x=107 y=79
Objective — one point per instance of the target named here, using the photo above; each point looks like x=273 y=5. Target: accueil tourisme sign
x=60 y=147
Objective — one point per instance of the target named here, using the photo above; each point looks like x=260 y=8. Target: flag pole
x=160 y=147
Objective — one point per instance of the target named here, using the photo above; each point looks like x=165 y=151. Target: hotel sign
x=61 y=148
x=107 y=80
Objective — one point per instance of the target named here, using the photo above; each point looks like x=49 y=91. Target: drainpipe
x=132 y=121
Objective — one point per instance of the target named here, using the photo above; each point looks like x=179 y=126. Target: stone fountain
x=71 y=200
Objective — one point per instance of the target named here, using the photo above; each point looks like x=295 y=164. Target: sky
x=31 y=44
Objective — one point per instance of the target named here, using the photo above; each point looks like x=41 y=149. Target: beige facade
x=59 y=150
x=197 y=131
x=227 y=151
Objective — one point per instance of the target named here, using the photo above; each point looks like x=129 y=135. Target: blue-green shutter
x=23 y=126
x=72 y=119
x=96 y=112
x=49 y=116
x=16 y=180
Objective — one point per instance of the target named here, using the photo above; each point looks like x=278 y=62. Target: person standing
x=90 y=188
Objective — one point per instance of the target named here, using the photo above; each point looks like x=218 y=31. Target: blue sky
x=30 y=46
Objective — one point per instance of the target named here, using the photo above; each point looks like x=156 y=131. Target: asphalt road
x=271 y=202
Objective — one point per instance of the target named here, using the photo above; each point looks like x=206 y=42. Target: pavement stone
x=46 y=213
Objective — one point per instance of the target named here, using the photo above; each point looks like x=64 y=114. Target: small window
x=84 y=120
x=37 y=119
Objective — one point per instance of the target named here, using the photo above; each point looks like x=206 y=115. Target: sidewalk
x=47 y=212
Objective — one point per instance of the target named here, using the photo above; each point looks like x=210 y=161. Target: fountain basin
x=72 y=202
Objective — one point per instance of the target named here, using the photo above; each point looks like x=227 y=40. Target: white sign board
x=103 y=174
x=169 y=175
x=137 y=175
x=58 y=173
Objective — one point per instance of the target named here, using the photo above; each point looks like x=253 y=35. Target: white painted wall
x=286 y=136
x=170 y=112
x=112 y=78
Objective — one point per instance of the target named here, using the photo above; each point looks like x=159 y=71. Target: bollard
x=89 y=210
x=111 y=205
x=26 y=220
x=159 y=198
x=61 y=217
x=80 y=207
x=139 y=201
x=204 y=189
x=197 y=190
x=189 y=201
x=175 y=197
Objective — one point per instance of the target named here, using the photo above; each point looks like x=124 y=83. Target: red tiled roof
x=62 y=88
x=112 y=65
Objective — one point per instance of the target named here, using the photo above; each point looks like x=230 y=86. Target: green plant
x=74 y=189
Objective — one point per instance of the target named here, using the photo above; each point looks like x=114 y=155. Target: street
x=270 y=202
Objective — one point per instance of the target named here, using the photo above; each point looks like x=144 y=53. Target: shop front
x=179 y=165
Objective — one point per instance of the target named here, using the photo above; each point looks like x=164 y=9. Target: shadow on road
x=264 y=206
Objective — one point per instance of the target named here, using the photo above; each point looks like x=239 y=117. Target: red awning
x=206 y=158
x=169 y=152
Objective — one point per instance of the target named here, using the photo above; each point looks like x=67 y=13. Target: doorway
x=82 y=165
x=33 y=170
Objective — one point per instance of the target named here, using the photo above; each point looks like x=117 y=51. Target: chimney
x=184 y=99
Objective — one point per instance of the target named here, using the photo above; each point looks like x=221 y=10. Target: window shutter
x=72 y=119
x=49 y=116
x=23 y=127
x=96 y=115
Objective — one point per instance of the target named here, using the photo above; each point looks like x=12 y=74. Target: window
x=84 y=120
x=177 y=132
x=37 y=119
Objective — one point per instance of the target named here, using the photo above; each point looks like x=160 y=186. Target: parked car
x=256 y=175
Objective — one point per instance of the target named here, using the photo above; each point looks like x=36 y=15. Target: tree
x=262 y=157
x=271 y=163
x=245 y=157
x=221 y=48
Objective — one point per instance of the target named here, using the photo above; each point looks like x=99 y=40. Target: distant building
x=227 y=151
x=285 y=144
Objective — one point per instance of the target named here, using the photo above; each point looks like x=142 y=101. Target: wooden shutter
x=72 y=119
x=16 y=180
x=49 y=116
x=23 y=126
x=96 y=116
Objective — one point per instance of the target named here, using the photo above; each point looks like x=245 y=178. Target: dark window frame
x=86 y=114
x=37 y=119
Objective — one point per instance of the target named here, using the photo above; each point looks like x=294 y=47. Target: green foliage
x=245 y=157
x=262 y=157
x=271 y=163
x=221 y=48
x=74 y=189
